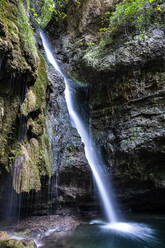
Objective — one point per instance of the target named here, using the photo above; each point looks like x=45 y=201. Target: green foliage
x=59 y=12
x=91 y=44
x=134 y=15
x=105 y=21
x=138 y=13
x=103 y=29
x=50 y=8
x=35 y=15
x=78 y=2
x=46 y=12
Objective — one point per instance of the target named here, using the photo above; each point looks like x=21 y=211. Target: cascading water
x=135 y=230
x=94 y=160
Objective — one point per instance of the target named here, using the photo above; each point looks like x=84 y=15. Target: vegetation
x=27 y=34
x=133 y=16
x=49 y=8
x=46 y=13
x=59 y=11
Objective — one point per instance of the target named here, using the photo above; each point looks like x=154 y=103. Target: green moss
x=19 y=43
x=39 y=89
x=27 y=35
x=35 y=97
x=29 y=103
x=4 y=12
x=37 y=152
x=37 y=162
x=36 y=125
x=11 y=244
x=8 y=114
x=17 y=38
x=46 y=153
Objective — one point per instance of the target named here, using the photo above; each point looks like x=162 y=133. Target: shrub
x=133 y=15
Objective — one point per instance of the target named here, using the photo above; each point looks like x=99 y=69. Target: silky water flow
x=135 y=230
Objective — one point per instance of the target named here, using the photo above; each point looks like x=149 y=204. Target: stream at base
x=148 y=232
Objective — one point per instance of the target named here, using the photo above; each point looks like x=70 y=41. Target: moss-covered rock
x=11 y=244
x=8 y=131
x=29 y=104
x=16 y=33
x=17 y=244
x=25 y=147
x=37 y=151
x=16 y=72
x=26 y=173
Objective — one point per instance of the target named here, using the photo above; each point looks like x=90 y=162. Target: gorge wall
x=124 y=70
x=124 y=76
x=25 y=150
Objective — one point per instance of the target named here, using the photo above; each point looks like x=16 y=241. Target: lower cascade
x=96 y=164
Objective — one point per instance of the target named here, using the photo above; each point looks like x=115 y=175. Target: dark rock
x=72 y=175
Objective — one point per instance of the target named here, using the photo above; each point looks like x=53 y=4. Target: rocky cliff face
x=126 y=96
x=72 y=182
x=127 y=112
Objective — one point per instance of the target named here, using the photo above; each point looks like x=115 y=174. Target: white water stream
x=95 y=161
x=93 y=158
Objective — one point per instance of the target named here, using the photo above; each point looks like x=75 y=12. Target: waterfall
x=134 y=230
x=94 y=159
